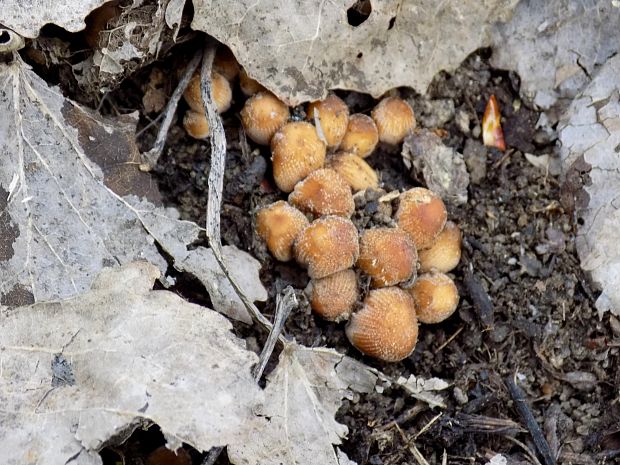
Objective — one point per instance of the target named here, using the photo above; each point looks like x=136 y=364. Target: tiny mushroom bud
x=436 y=297
x=248 y=85
x=333 y=297
x=196 y=124
x=386 y=327
x=388 y=256
x=328 y=245
x=220 y=87
x=262 y=115
x=394 y=119
x=225 y=63
x=333 y=116
x=323 y=192
x=422 y=214
x=445 y=253
x=278 y=225
x=354 y=170
x=296 y=151
x=361 y=137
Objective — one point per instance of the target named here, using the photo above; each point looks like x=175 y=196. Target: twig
x=526 y=449
x=427 y=426
x=518 y=396
x=449 y=340
x=417 y=455
x=480 y=298
x=150 y=158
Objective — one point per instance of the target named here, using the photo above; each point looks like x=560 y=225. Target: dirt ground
x=526 y=312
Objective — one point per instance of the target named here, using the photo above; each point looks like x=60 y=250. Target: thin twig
x=150 y=158
x=449 y=340
x=427 y=426
x=526 y=449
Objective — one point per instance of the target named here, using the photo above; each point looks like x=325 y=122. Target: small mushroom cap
x=354 y=170
x=296 y=151
x=436 y=297
x=225 y=63
x=278 y=225
x=196 y=124
x=386 y=327
x=388 y=256
x=323 y=192
x=262 y=115
x=333 y=296
x=248 y=85
x=222 y=93
x=422 y=214
x=328 y=245
x=361 y=137
x=333 y=116
x=445 y=253
x=394 y=118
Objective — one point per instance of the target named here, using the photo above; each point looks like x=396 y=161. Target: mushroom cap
x=361 y=136
x=262 y=115
x=386 y=327
x=333 y=116
x=220 y=87
x=323 y=192
x=196 y=124
x=436 y=297
x=248 y=85
x=296 y=151
x=421 y=214
x=388 y=256
x=445 y=253
x=333 y=296
x=354 y=170
x=328 y=245
x=278 y=225
x=225 y=63
x=394 y=118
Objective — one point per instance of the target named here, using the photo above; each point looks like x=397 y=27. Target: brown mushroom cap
x=386 y=327
x=296 y=152
x=394 y=118
x=323 y=192
x=248 y=85
x=436 y=297
x=225 y=63
x=422 y=214
x=196 y=124
x=354 y=170
x=445 y=253
x=361 y=136
x=388 y=256
x=262 y=115
x=328 y=245
x=333 y=297
x=278 y=225
x=222 y=93
x=333 y=116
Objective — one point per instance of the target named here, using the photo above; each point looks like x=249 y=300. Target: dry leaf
x=424 y=389
x=590 y=136
x=300 y=49
x=302 y=397
x=78 y=372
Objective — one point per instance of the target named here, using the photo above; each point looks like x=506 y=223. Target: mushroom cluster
x=320 y=163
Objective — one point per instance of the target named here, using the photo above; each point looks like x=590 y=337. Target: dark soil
x=538 y=326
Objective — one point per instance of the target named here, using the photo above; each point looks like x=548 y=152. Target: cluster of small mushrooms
x=320 y=166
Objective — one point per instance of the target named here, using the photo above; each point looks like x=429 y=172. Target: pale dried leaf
x=424 y=389
x=497 y=459
x=27 y=18
x=78 y=372
x=300 y=49
x=590 y=135
x=556 y=45
x=302 y=397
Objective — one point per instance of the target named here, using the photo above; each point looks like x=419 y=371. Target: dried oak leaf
x=78 y=372
x=300 y=49
x=590 y=134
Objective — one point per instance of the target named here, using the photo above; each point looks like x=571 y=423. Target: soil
x=526 y=313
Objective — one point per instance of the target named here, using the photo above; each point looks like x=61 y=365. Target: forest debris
x=492 y=133
x=486 y=424
x=442 y=168
x=479 y=296
x=130 y=355
x=424 y=389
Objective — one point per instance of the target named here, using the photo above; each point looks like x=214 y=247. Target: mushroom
x=278 y=225
x=422 y=214
x=262 y=115
x=333 y=296
x=445 y=253
x=394 y=118
x=436 y=297
x=332 y=115
x=354 y=170
x=361 y=136
x=323 y=192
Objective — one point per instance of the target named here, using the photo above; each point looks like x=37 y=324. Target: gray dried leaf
x=590 y=135
x=424 y=389
x=556 y=45
x=97 y=366
x=300 y=49
x=302 y=397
